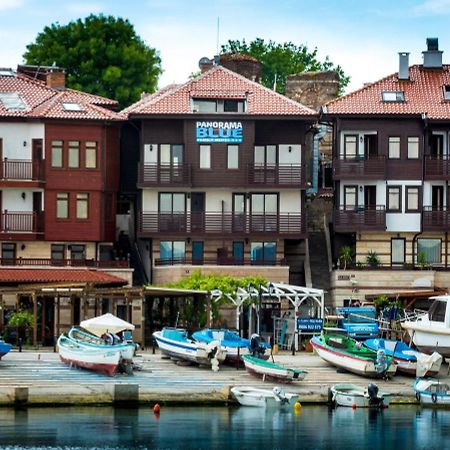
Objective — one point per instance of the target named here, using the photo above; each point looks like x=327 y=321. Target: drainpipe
x=321 y=132
x=414 y=245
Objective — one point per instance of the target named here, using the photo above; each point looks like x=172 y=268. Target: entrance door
x=370 y=197
x=437 y=197
x=37 y=160
x=197 y=211
x=37 y=212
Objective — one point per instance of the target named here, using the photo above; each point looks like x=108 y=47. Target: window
x=172 y=202
x=208 y=106
x=12 y=101
x=233 y=105
x=171 y=154
x=172 y=252
x=394 y=199
x=350 y=197
x=398 y=251
x=429 y=250
x=393 y=96
x=447 y=92
x=73 y=107
x=205 y=157
x=263 y=252
x=74 y=154
x=233 y=157
x=437 y=311
x=62 y=205
x=82 y=206
x=218 y=105
x=57 y=153
x=265 y=155
x=394 y=147
x=412 y=198
x=91 y=155
x=77 y=252
x=413 y=147
x=58 y=253
x=8 y=253
x=350 y=146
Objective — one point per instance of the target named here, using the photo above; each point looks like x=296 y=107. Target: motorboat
x=408 y=360
x=175 y=343
x=4 y=348
x=432 y=392
x=274 y=398
x=349 y=354
x=347 y=394
x=271 y=370
x=430 y=332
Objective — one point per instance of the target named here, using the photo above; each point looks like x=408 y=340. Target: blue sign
x=229 y=132
x=309 y=324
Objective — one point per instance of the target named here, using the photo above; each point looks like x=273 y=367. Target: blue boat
x=4 y=348
x=407 y=358
x=235 y=345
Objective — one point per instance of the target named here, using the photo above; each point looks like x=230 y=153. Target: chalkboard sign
x=309 y=324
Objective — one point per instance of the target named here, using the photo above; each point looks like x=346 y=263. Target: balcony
x=287 y=175
x=219 y=261
x=49 y=262
x=219 y=224
x=21 y=223
x=372 y=167
x=155 y=174
x=369 y=218
x=436 y=219
x=437 y=168
x=22 y=170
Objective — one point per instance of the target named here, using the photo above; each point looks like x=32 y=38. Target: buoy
x=157 y=409
x=354 y=406
x=297 y=406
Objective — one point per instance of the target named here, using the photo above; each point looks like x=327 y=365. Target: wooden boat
x=175 y=343
x=234 y=345
x=431 y=332
x=431 y=392
x=346 y=394
x=408 y=360
x=4 y=348
x=346 y=353
x=274 y=398
x=270 y=370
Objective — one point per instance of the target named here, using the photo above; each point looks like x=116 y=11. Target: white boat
x=346 y=394
x=430 y=332
x=175 y=343
x=264 y=398
x=432 y=392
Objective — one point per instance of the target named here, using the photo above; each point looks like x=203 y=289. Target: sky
x=362 y=36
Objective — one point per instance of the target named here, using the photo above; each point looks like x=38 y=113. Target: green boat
x=270 y=370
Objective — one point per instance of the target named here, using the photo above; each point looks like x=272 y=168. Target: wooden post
x=58 y=316
x=34 y=298
x=208 y=310
x=142 y=320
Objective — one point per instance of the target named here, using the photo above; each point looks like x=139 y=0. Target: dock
x=39 y=378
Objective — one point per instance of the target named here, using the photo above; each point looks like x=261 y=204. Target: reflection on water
x=315 y=427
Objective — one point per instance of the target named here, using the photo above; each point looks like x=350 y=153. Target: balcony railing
x=64 y=262
x=368 y=167
x=219 y=261
x=436 y=219
x=21 y=222
x=369 y=218
x=217 y=223
x=437 y=168
x=154 y=174
x=277 y=175
x=21 y=169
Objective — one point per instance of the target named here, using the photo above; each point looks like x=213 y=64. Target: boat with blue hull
x=432 y=392
x=4 y=348
x=234 y=345
x=175 y=343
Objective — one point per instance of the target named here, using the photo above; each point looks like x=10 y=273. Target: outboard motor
x=256 y=349
x=280 y=395
x=372 y=391
x=381 y=364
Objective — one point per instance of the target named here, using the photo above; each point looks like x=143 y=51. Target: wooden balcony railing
x=21 y=222
x=217 y=223
x=64 y=262
x=155 y=174
x=369 y=218
x=437 y=168
x=368 y=167
x=229 y=261
x=21 y=169
x=276 y=175
x=436 y=219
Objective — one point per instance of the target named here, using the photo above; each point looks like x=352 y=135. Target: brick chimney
x=54 y=77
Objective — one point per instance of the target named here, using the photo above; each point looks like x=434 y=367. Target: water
x=315 y=427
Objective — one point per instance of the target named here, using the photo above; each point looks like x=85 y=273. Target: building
x=221 y=179
x=391 y=171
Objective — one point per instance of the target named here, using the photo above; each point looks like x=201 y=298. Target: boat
x=408 y=360
x=4 y=348
x=175 y=343
x=235 y=345
x=274 y=398
x=346 y=353
x=430 y=332
x=271 y=370
x=347 y=394
x=432 y=392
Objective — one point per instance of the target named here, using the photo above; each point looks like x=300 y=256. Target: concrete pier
x=39 y=378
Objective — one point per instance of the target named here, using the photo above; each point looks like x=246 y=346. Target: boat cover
x=107 y=323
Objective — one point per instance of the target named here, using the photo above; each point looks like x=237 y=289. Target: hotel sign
x=309 y=324
x=229 y=132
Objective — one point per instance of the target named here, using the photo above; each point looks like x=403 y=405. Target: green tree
x=280 y=60
x=102 y=55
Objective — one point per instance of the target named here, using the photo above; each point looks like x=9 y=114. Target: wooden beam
x=34 y=298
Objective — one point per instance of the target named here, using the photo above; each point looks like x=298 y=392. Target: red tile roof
x=424 y=93
x=16 y=275
x=218 y=82
x=46 y=103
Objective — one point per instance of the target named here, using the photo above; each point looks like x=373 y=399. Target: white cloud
x=10 y=4
x=432 y=7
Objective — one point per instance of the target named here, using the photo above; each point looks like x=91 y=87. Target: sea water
x=314 y=427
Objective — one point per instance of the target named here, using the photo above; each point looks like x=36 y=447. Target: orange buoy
x=157 y=409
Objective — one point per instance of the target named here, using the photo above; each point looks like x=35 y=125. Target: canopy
x=106 y=323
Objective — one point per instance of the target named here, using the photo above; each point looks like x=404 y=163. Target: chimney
x=432 y=57
x=403 y=68
x=55 y=79
x=205 y=64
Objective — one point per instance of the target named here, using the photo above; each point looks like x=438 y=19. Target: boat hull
x=353 y=396
x=432 y=393
x=263 y=398
x=267 y=370
x=428 y=339
x=4 y=348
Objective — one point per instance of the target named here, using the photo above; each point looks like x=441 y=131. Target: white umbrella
x=107 y=323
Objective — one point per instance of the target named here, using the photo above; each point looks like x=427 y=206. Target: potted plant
x=372 y=259
x=346 y=257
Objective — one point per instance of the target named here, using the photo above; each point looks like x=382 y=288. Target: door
x=370 y=197
x=437 y=197
x=197 y=252
x=197 y=212
x=437 y=146
x=238 y=252
x=370 y=146
x=239 y=213
x=37 y=165
x=37 y=212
